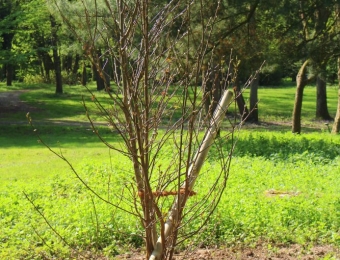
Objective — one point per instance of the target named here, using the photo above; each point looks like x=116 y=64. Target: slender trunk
x=321 y=98
x=99 y=80
x=57 y=69
x=56 y=57
x=301 y=82
x=193 y=173
x=9 y=74
x=117 y=73
x=241 y=104
x=76 y=64
x=67 y=63
x=7 y=39
x=84 y=76
x=254 y=113
x=336 y=125
x=102 y=74
x=48 y=65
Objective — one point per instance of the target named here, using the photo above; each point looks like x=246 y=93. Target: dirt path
x=10 y=102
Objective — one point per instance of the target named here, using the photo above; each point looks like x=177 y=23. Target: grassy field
x=283 y=188
x=275 y=103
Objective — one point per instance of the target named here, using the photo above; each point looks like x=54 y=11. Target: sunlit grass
x=283 y=188
x=275 y=103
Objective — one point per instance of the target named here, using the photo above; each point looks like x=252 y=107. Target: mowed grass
x=275 y=103
x=282 y=189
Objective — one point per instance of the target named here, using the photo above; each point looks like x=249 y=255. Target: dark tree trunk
x=241 y=104
x=76 y=65
x=99 y=80
x=9 y=74
x=7 y=39
x=321 y=98
x=56 y=57
x=94 y=72
x=48 y=65
x=67 y=63
x=116 y=71
x=102 y=74
x=301 y=82
x=254 y=112
x=84 y=76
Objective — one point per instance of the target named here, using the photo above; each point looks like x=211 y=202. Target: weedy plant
x=133 y=43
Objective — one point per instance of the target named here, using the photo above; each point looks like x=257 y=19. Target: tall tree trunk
x=7 y=39
x=9 y=74
x=46 y=64
x=254 y=112
x=67 y=63
x=84 y=75
x=241 y=104
x=301 y=82
x=117 y=73
x=99 y=81
x=336 y=125
x=321 y=97
x=56 y=57
x=254 y=61
x=102 y=77
x=76 y=65
x=320 y=57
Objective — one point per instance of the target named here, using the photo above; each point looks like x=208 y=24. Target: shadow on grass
x=24 y=136
x=317 y=147
x=286 y=126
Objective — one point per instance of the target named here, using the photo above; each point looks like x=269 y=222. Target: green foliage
x=271 y=75
x=33 y=79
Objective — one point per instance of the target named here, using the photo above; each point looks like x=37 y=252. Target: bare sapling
x=150 y=57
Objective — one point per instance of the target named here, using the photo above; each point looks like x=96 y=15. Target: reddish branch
x=166 y=193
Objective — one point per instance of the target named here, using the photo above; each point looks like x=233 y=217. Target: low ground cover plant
x=282 y=188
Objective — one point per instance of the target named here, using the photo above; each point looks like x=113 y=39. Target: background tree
x=56 y=56
x=8 y=23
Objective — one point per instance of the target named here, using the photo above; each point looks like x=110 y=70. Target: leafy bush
x=271 y=75
x=33 y=79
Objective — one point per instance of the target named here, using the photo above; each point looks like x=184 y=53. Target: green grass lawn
x=275 y=103
x=283 y=188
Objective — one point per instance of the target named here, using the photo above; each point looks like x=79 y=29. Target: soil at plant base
x=10 y=102
x=262 y=251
